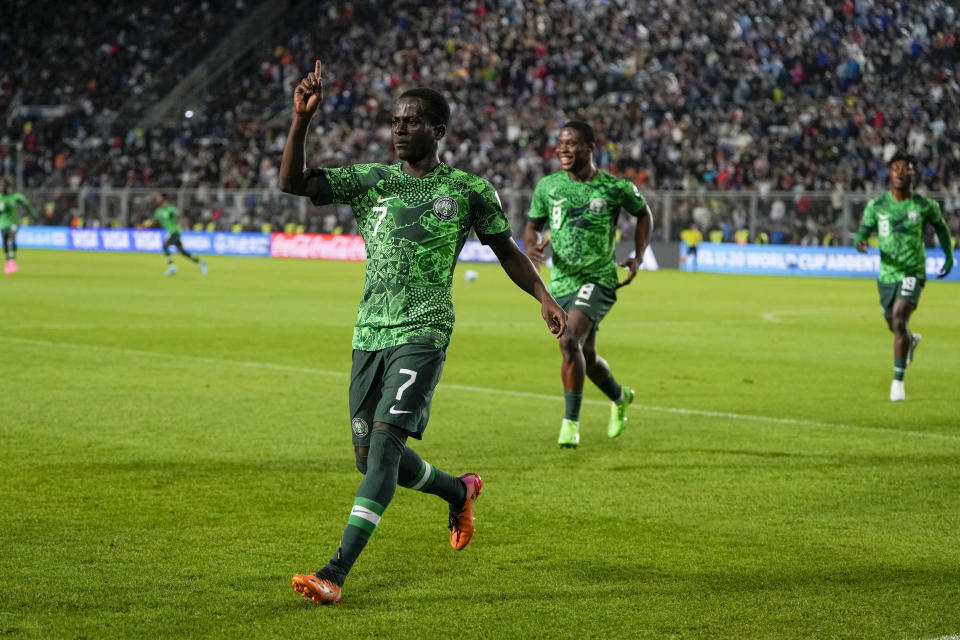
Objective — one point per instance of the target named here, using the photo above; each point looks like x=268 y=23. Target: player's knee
x=570 y=344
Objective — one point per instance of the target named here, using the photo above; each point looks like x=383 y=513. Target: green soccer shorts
x=394 y=385
x=909 y=289
x=592 y=299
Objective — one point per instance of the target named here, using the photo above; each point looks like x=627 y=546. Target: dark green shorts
x=395 y=386
x=909 y=289
x=592 y=299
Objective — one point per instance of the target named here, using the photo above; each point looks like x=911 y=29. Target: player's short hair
x=435 y=106
x=584 y=129
x=906 y=157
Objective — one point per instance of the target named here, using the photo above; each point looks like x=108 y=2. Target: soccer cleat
x=171 y=270
x=897 y=394
x=461 y=522
x=914 y=343
x=203 y=267
x=569 y=434
x=318 y=587
x=618 y=413
x=10 y=266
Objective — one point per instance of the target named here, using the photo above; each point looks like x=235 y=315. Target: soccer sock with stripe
x=572 y=400
x=418 y=474
x=374 y=494
x=899 y=367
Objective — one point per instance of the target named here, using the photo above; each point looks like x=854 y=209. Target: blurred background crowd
x=770 y=118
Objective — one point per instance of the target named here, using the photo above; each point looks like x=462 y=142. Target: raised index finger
x=316 y=69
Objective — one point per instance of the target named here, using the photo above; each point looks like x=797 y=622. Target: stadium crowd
x=762 y=95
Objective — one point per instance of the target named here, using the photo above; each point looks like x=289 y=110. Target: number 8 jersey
x=899 y=227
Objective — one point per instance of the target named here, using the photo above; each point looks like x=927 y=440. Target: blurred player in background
x=414 y=217
x=9 y=201
x=580 y=205
x=898 y=217
x=692 y=236
x=169 y=218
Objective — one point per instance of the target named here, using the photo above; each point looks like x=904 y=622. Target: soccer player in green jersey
x=414 y=217
x=169 y=218
x=9 y=200
x=898 y=217
x=581 y=205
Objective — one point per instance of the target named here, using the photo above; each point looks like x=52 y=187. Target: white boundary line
x=504 y=392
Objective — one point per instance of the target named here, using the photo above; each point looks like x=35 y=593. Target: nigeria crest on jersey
x=445 y=208
x=913 y=216
x=360 y=427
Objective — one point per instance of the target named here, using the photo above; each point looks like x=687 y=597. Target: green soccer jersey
x=168 y=217
x=8 y=208
x=899 y=227
x=414 y=229
x=583 y=222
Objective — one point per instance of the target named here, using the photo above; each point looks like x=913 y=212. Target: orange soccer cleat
x=461 y=522
x=320 y=590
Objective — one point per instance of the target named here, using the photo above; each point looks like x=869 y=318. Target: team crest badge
x=360 y=428
x=445 y=208
x=913 y=215
x=598 y=205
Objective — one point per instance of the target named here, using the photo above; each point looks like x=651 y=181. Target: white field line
x=459 y=387
x=775 y=316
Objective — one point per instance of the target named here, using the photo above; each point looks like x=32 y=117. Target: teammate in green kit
x=898 y=217
x=169 y=218
x=580 y=205
x=9 y=201
x=414 y=217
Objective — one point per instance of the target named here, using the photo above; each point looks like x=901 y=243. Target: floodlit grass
x=174 y=449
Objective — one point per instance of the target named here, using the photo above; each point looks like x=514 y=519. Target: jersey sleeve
x=633 y=203
x=489 y=221
x=538 y=204
x=342 y=185
x=868 y=223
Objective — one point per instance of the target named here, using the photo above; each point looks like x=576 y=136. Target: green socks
x=899 y=367
x=418 y=474
x=374 y=494
x=573 y=400
x=612 y=389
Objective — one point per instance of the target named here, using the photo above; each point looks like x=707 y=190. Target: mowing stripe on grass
x=459 y=387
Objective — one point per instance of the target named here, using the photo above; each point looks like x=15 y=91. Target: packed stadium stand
x=770 y=118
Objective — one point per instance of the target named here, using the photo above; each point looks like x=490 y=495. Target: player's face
x=572 y=152
x=413 y=136
x=901 y=174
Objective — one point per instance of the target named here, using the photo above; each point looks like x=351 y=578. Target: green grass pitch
x=172 y=450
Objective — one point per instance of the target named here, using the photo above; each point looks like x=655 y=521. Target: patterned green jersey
x=414 y=229
x=899 y=227
x=168 y=217
x=8 y=208
x=583 y=222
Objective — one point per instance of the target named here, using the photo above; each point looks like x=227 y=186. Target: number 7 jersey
x=413 y=229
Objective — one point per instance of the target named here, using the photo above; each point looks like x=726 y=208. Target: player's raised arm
x=306 y=98
x=521 y=270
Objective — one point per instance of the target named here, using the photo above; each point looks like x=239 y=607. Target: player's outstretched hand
x=554 y=315
x=535 y=253
x=634 y=265
x=309 y=93
x=944 y=272
x=861 y=246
